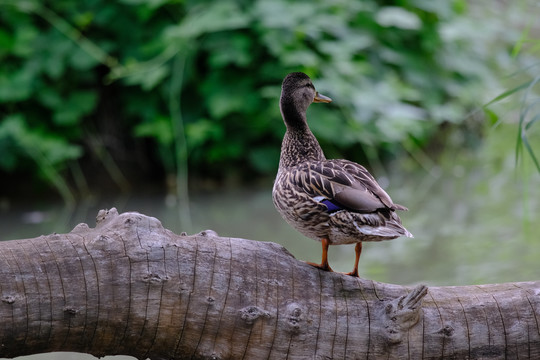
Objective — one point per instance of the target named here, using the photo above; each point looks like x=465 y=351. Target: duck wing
x=347 y=185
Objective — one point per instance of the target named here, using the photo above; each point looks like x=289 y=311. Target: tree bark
x=129 y=286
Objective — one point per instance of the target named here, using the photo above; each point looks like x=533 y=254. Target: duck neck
x=299 y=146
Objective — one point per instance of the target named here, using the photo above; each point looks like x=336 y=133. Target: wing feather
x=345 y=183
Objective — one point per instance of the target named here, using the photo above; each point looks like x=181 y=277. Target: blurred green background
x=100 y=96
x=170 y=108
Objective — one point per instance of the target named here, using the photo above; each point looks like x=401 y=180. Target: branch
x=129 y=286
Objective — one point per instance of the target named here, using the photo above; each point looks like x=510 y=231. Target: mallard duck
x=332 y=201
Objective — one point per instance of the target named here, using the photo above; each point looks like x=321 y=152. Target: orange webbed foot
x=353 y=273
x=324 y=263
x=323 y=266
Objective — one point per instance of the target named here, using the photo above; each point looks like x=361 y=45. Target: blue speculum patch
x=331 y=206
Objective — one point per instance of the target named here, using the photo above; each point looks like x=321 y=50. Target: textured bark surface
x=129 y=286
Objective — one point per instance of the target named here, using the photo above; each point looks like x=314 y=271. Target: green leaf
x=149 y=77
x=492 y=116
x=38 y=144
x=523 y=38
x=7 y=42
x=25 y=38
x=509 y=92
x=159 y=128
x=230 y=50
x=55 y=149
x=217 y=16
x=201 y=131
x=10 y=128
x=150 y=3
x=75 y=107
x=81 y=60
x=16 y=86
x=50 y=98
x=530 y=150
x=239 y=96
x=398 y=17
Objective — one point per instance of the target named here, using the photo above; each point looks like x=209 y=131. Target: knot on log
x=70 y=310
x=204 y=233
x=446 y=331
x=111 y=217
x=105 y=214
x=111 y=229
x=251 y=313
x=400 y=314
x=295 y=317
x=155 y=278
x=208 y=233
x=10 y=299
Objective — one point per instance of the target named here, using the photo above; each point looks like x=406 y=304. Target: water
x=474 y=219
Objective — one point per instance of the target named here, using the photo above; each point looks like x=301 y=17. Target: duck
x=334 y=201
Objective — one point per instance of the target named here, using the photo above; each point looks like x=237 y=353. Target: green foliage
x=394 y=72
x=528 y=115
x=45 y=151
x=529 y=112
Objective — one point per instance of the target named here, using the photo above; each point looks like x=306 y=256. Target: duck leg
x=324 y=263
x=358 y=251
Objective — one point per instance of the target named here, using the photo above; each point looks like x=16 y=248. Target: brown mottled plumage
x=333 y=201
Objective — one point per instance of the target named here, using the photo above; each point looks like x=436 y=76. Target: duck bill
x=320 y=98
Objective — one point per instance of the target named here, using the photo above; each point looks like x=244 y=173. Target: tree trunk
x=129 y=286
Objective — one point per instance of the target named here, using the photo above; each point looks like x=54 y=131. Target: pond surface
x=475 y=220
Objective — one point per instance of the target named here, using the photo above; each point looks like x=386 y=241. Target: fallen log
x=129 y=286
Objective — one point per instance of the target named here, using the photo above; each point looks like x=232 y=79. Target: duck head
x=297 y=93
